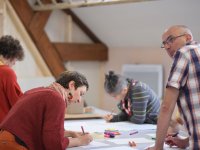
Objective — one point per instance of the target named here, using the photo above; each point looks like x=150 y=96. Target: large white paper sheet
x=95 y=144
x=100 y=125
x=167 y=147
x=126 y=140
x=118 y=148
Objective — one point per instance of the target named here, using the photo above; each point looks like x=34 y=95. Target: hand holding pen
x=83 y=132
x=171 y=139
x=86 y=137
x=108 y=117
x=172 y=134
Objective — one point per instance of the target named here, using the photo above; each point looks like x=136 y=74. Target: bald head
x=176 y=37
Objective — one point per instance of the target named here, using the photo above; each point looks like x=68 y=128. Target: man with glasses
x=183 y=88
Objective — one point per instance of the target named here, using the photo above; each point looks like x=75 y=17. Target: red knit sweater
x=38 y=120
x=9 y=90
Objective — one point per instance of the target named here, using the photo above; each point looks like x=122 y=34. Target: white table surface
x=142 y=139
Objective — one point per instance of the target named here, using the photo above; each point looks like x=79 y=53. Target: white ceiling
x=140 y=24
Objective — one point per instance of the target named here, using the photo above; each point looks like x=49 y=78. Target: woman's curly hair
x=11 y=48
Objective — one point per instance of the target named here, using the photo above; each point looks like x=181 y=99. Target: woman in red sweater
x=36 y=122
x=10 y=51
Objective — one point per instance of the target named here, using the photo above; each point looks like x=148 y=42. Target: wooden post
x=2 y=13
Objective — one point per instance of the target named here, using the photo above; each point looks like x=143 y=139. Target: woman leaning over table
x=138 y=103
x=36 y=121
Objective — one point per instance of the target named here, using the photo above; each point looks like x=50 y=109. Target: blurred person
x=10 y=52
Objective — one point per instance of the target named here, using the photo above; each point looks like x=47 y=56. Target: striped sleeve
x=139 y=98
x=122 y=116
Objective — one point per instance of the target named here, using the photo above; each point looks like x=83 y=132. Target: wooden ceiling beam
x=82 y=26
x=55 y=54
x=23 y=10
x=82 y=51
x=34 y=23
x=38 y=23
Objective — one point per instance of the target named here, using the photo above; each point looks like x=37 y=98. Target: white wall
x=33 y=65
x=67 y=32
x=132 y=32
x=94 y=70
x=139 y=24
x=29 y=71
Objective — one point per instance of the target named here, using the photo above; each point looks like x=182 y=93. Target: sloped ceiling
x=139 y=24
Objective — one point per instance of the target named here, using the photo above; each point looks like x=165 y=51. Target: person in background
x=10 y=51
x=138 y=103
x=36 y=121
x=183 y=88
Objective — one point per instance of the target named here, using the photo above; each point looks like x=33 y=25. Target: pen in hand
x=175 y=134
x=82 y=130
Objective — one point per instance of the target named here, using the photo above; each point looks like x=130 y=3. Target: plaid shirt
x=185 y=76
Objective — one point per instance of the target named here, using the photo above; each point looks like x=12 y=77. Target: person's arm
x=53 y=123
x=122 y=116
x=12 y=87
x=73 y=134
x=177 y=141
x=80 y=141
x=167 y=108
x=139 y=115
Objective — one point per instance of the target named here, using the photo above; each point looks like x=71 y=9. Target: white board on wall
x=148 y=73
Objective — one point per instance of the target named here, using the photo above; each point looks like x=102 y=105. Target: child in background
x=138 y=103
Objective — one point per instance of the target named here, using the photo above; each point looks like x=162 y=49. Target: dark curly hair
x=11 y=48
x=67 y=76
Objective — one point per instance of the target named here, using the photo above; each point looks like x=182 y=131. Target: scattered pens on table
x=82 y=130
x=113 y=131
x=109 y=135
x=135 y=132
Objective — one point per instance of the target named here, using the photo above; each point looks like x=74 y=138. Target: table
x=144 y=138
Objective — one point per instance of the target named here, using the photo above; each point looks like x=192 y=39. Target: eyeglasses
x=170 y=40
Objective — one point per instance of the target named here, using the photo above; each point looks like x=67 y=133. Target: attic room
x=93 y=37
x=131 y=30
